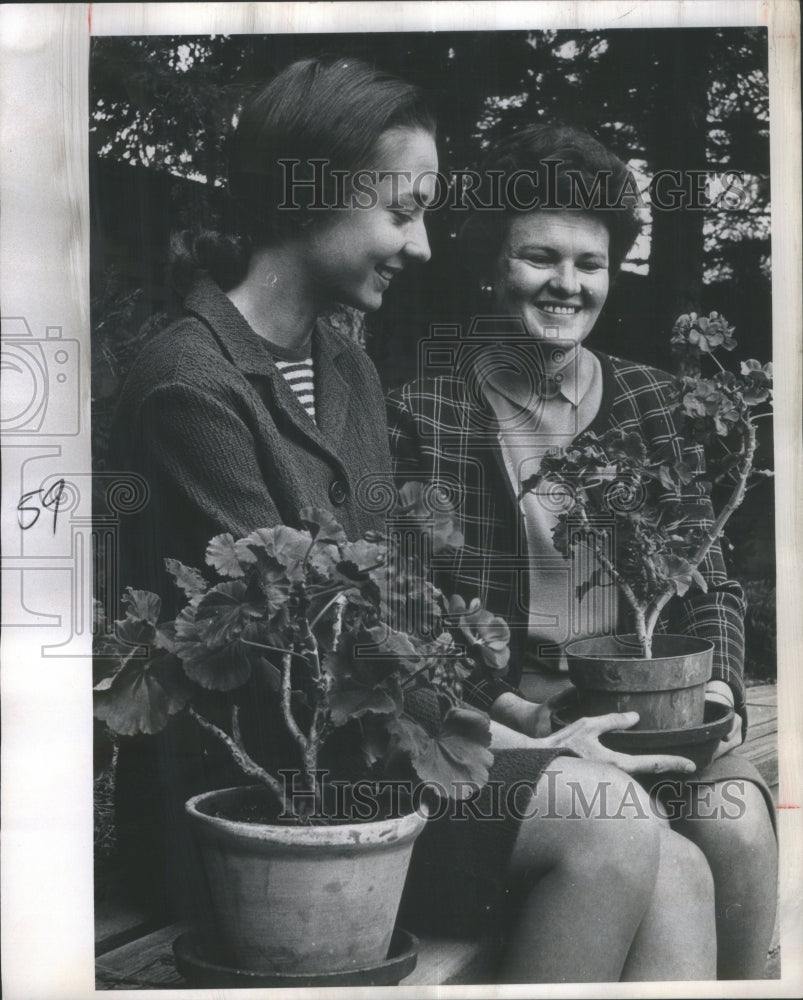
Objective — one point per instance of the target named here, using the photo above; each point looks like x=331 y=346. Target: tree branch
x=733 y=501
x=248 y=766
x=287 y=711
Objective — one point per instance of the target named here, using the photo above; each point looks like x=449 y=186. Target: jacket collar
x=249 y=353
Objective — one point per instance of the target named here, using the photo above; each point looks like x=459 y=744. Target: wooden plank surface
x=142 y=964
x=117 y=923
x=446 y=962
x=761 y=745
x=147 y=963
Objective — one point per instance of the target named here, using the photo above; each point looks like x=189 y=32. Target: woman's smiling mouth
x=387 y=273
x=558 y=310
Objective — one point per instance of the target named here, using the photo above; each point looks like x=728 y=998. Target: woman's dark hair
x=563 y=167
x=331 y=109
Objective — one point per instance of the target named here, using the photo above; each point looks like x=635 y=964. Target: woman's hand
x=732 y=740
x=583 y=736
x=529 y=717
x=720 y=692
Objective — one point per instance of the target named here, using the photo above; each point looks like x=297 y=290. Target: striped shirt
x=300 y=376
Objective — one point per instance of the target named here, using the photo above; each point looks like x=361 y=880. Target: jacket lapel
x=333 y=393
x=249 y=353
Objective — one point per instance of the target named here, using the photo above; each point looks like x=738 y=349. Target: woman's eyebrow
x=409 y=201
x=532 y=248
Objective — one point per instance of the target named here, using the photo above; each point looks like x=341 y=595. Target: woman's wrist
x=517 y=713
x=720 y=692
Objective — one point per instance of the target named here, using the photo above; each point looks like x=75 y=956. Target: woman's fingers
x=583 y=735
x=652 y=763
x=614 y=720
x=732 y=740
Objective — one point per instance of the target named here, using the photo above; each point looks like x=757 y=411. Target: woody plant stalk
x=318 y=616
x=660 y=545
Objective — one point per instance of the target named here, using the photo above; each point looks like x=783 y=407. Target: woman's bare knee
x=592 y=817
x=685 y=864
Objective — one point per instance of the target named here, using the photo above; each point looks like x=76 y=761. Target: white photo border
x=47 y=869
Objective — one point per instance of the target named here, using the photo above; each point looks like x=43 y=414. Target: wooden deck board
x=761 y=745
x=144 y=963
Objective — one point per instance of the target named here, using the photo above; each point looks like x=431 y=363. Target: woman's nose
x=417 y=246
x=565 y=279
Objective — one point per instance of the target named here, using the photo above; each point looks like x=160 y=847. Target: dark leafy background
x=160 y=108
x=673 y=99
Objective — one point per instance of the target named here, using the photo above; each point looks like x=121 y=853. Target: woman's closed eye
x=592 y=264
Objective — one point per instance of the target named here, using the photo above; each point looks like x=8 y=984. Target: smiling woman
x=247 y=409
x=552 y=271
x=527 y=390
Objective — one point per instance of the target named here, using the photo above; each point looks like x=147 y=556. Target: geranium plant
x=340 y=631
x=612 y=481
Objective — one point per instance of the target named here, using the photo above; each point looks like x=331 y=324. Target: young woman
x=524 y=382
x=246 y=410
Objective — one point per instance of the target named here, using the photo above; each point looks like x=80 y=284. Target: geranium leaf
x=222 y=556
x=324 y=558
x=224 y=611
x=322 y=525
x=396 y=644
x=362 y=555
x=290 y=548
x=142 y=696
x=260 y=541
x=356 y=689
x=141 y=605
x=186 y=578
x=457 y=754
x=221 y=669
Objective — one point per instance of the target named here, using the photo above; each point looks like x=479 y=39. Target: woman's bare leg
x=676 y=940
x=594 y=878
x=734 y=831
x=603 y=902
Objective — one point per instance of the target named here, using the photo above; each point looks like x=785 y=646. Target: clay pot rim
x=694 y=644
x=376 y=833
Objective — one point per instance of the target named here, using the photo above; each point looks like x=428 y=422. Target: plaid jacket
x=440 y=430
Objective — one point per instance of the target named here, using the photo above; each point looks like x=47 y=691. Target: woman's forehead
x=558 y=227
x=408 y=151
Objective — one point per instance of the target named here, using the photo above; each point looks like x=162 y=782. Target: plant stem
x=287 y=711
x=307 y=554
x=324 y=609
x=733 y=501
x=241 y=759
x=644 y=633
x=274 y=649
x=717 y=362
x=644 y=627
x=235 y=726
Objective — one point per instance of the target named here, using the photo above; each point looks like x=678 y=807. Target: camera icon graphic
x=41 y=381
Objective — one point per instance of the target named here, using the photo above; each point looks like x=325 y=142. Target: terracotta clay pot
x=668 y=690
x=292 y=899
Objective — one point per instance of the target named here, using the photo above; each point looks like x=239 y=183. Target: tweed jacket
x=224 y=445
x=438 y=431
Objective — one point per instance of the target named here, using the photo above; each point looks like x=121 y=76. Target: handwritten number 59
x=28 y=509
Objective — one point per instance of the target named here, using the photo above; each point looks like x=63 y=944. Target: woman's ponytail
x=224 y=256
